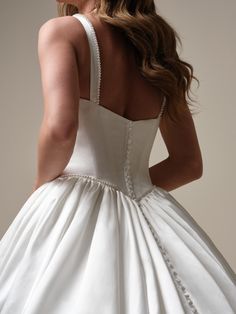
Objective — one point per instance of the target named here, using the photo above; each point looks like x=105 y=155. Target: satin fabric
x=81 y=246
x=101 y=238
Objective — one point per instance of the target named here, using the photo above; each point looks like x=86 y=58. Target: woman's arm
x=60 y=84
x=184 y=163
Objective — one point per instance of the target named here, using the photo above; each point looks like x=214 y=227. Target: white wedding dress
x=102 y=239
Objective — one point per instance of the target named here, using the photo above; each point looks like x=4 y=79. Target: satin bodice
x=108 y=146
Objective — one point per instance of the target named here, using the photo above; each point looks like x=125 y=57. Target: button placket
x=170 y=266
x=127 y=165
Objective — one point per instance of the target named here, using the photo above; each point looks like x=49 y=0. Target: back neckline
x=118 y=116
x=95 y=72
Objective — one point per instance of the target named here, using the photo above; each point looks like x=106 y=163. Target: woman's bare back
x=123 y=89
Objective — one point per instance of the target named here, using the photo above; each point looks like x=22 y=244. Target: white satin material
x=80 y=246
x=101 y=238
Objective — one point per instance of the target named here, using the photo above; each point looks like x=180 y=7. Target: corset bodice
x=108 y=146
x=114 y=149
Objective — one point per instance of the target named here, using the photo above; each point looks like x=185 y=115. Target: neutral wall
x=207 y=33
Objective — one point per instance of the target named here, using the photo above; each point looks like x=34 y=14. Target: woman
x=101 y=232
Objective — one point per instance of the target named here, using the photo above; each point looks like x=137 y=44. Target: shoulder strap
x=95 y=62
x=162 y=107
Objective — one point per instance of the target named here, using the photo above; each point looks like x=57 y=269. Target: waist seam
x=107 y=183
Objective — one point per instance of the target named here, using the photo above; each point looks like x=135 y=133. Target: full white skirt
x=80 y=246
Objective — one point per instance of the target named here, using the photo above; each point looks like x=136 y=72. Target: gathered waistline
x=106 y=183
x=86 y=176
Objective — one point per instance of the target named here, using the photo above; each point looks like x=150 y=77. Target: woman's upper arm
x=181 y=140
x=59 y=77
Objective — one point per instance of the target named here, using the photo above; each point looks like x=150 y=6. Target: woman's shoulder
x=66 y=27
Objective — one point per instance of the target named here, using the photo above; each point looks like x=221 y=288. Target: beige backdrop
x=207 y=30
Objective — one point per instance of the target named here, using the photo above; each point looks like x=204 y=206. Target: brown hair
x=155 y=47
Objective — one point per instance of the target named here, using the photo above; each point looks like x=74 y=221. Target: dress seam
x=103 y=182
x=177 y=280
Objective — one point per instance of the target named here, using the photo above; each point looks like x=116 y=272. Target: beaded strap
x=95 y=61
x=162 y=108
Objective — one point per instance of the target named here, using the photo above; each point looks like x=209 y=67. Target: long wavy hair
x=155 y=44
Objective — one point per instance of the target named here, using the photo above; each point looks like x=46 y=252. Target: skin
x=65 y=66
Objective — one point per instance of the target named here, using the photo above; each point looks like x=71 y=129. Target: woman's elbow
x=196 y=167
